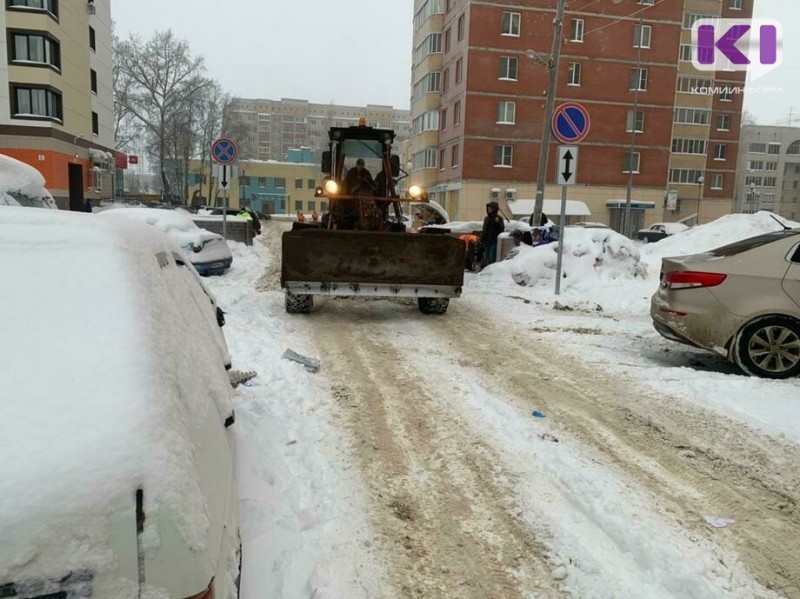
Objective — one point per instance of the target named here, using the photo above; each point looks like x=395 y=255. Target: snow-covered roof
x=101 y=367
x=16 y=175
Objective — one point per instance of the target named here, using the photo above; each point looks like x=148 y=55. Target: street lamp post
x=700 y=181
x=544 y=150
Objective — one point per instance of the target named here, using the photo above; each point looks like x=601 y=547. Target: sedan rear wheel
x=769 y=348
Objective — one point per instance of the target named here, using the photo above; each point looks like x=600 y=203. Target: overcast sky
x=358 y=52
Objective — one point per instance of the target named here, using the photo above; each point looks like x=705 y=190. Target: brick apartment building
x=478 y=101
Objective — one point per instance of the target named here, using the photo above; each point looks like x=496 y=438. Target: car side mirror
x=394 y=161
x=326 y=162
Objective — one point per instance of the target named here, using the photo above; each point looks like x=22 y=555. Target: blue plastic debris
x=537 y=414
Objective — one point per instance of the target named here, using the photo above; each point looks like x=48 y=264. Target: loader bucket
x=379 y=264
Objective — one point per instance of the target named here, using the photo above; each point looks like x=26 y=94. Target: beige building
x=277 y=126
x=266 y=186
x=56 y=100
x=769 y=170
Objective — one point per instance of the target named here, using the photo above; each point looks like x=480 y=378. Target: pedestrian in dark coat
x=87 y=205
x=493 y=225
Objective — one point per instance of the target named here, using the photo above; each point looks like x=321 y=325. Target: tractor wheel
x=299 y=304
x=433 y=305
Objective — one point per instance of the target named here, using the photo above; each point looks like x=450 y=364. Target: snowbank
x=180 y=227
x=591 y=256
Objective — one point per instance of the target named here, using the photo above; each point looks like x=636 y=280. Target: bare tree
x=748 y=118
x=161 y=82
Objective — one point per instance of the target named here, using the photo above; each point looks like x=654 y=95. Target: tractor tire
x=299 y=304
x=433 y=305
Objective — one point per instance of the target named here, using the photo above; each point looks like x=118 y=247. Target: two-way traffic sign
x=567 y=172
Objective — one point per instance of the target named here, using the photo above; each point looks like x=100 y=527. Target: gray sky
x=358 y=52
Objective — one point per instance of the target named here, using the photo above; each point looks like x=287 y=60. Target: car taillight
x=207 y=594
x=688 y=279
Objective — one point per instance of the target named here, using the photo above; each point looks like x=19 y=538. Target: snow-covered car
x=659 y=231
x=116 y=454
x=23 y=185
x=208 y=252
x=741 y=301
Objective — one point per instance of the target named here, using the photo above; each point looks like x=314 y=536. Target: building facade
x=56 y=98
x=266 y=186
x=274 y=127
x=769 y=170
x=479 y=83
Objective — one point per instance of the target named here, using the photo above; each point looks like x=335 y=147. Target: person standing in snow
x=87 y=205
x=493 y=225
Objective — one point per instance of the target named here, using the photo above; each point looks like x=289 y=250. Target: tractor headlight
x=331 y=187
x=415 y=192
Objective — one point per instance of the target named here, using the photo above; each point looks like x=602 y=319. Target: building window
x=635 y=124
x=691 y=116
x=757 y=148
x=690 y=18
x=683 y=145
x=755 y=165
x=756 y=181
x=646 y=2
x=93 y=77
x=576 y=30
x=631 y=162
x=721 y=152
x=774 y=148
x=262 y=182
x=770 y=181
x=638 y=79
x=424 y=159
x=36 y=102
x=456 y=113
x=506 y=113
x=445 y=81
x=95 y=124
x=447 y=40
x=735 y=4
x=508 y=68
x=92 y=39
x=462 y=22
x=684 y=175
x=510 y=24
x=771 y=166
x=574 y=74
x=441 y=160
x=641 y=36
x=459 y=70
x=723 y=122
x=718 y=181
x=443 y=119
x=311 y=183
x=792 y=150
x=49 y=6
x=454 y=156
x=298 y=184
x=726 y=94
x=40 y=49
x=502 y=155
x=694 y=85
x=685 y=54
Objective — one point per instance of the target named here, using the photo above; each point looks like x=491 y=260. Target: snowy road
x=454 y=488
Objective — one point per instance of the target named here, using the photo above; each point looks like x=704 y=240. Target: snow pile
x=727 y=229
x=181 y=228
x=16 y=176
x=591 y=256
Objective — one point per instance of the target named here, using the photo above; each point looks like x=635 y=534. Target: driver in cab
x=358 y=180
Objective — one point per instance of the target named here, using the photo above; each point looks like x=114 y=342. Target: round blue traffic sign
x=224 y=151
x=570 y=123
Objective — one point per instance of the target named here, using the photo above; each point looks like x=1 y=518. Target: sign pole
x=224 y=202
x=562 y=217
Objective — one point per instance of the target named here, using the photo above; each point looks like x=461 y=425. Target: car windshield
x=28 y=201
x=752 y=243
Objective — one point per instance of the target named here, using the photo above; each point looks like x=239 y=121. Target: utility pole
x=552 y=65
x=627 y=230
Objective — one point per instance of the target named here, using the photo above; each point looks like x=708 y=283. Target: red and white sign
x=133 y=159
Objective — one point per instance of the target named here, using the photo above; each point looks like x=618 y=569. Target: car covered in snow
x=741 y=301
x=116 y=456
x=208 y=252
x=23 y=185
x=659 y=231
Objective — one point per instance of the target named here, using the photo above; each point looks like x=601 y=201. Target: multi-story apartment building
x=479 y=82
x=769 y=170
x=276 y=126
x=56 y=99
